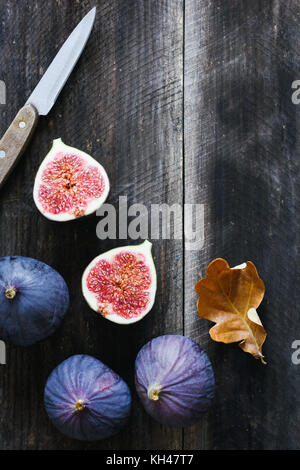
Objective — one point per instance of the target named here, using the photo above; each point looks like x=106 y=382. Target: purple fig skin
x=86 y=400
x=34 y=299
x=174 y=380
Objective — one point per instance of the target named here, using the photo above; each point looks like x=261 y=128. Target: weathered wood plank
x=241 y=160
x=123 y=104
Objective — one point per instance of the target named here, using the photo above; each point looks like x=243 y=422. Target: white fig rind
x=145 y=249
x=93 y=206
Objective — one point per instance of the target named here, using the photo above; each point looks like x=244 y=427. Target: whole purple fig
x=34 y=300
x=86 y=400
x=174 y=380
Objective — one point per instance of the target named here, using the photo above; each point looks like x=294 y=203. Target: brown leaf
x=230 y=297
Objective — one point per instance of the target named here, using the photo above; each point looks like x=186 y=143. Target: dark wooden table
x=182 y=102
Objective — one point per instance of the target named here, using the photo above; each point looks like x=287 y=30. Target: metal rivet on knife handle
x=15 y=140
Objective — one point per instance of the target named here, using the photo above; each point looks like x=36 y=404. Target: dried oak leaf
x=230 y=297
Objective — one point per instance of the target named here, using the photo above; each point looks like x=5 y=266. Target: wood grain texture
x=123 y=105
x=241 y=155
x=181 y=101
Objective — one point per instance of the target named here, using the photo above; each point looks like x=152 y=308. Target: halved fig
x=121 y=283
x=69 y=184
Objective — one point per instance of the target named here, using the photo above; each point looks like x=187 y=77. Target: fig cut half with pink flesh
x=69 y=184
x=121 y=283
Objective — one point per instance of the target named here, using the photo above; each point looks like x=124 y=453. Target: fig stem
x=79 y=405
x=10 y=292
x=154 y=391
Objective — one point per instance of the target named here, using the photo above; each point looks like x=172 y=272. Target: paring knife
x=17 y=136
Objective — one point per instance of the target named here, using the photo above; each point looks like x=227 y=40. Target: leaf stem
x=241 y=316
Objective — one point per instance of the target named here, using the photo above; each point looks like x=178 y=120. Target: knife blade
x=43 y=97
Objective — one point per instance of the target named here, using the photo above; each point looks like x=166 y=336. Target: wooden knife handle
x=15 y=140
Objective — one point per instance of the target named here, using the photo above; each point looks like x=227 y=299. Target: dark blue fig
x=86 y=400
x=34 y=300
x=174 y=380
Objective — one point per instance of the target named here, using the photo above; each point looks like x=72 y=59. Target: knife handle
x=15 y=140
